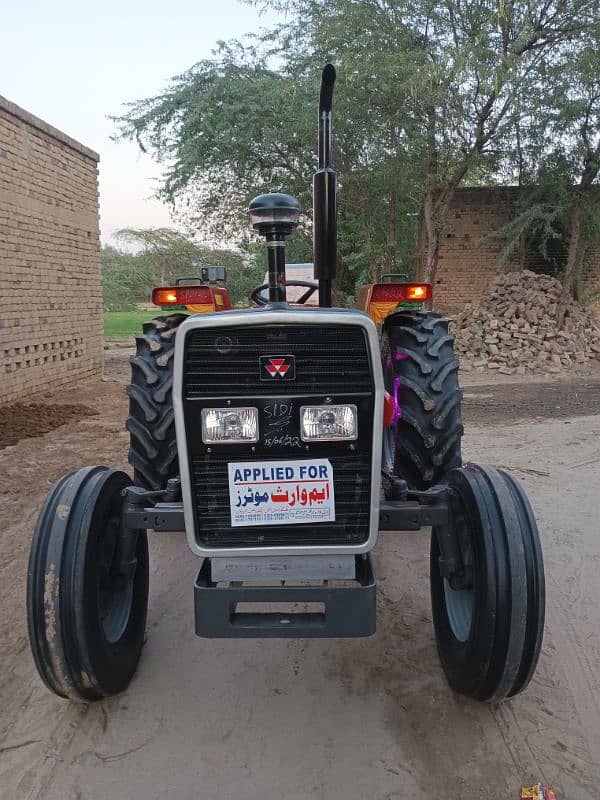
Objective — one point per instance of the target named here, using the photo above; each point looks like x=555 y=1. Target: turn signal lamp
x=182 y=296
x=380 y=299
x=418 y=291
x=401 y=293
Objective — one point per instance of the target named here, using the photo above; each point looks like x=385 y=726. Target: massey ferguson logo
x=281 y=368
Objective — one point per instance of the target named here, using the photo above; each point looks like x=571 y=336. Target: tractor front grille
x=222 y=364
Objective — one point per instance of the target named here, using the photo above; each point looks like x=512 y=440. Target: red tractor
x=283 y=439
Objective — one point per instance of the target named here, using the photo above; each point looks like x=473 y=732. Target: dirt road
x=340 y=719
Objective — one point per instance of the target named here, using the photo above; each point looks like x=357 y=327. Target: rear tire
x=86 y=620
x=489 y=633
x=151 y=424
x=421 y=373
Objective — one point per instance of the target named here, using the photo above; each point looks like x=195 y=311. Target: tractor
x=283 y=439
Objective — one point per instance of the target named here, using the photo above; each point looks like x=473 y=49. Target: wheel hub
x=459 y=592
x=115 y=589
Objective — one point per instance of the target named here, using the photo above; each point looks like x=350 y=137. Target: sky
x=74 y=62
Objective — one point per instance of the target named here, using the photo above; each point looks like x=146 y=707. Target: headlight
x=229 y=425
x=328 y=423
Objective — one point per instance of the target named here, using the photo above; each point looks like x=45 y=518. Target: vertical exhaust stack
x=324 y=201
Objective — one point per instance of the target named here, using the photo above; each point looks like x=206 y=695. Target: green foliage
x=232 y=127
x=161 y=256
x=127 y=279
x=429 y=95
x=557 y=157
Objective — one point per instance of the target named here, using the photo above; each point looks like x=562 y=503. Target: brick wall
x=50 y=298
x=469 y=257
x=591 y=273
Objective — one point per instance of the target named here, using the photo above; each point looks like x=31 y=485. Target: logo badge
x=281 y=368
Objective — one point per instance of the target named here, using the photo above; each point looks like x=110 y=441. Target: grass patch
x=125 y=324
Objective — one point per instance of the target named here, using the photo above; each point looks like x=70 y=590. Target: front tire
x=489 y=628
x=421 y=374
x=86 y=619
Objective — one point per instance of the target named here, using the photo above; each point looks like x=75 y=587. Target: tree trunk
x=574 y=266
x=574 y=258
x=373 y=266
x=373 y=270
x=578 y=290
x=430 y=243
x=432 y=237
x=391 y=233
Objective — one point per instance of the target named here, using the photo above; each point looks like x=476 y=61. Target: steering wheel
x=311 y=287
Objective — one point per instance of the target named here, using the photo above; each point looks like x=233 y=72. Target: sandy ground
x=301 y=719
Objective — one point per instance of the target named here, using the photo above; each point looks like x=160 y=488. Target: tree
x=127 y=279
x=427 y=95
x=579 y=123
x=167 y=251
x=557 y=160
x=161 y=256
x=232 y=127
x=482 y=57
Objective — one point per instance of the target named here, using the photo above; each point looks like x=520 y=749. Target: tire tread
x=151 y=423
x=429 y=429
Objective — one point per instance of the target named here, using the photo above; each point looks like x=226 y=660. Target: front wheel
x=86 y=613
x=489 y=623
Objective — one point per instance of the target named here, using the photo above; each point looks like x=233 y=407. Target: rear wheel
x=151 y=424
x=489 y=624
x=421 y=374
x=86 y=613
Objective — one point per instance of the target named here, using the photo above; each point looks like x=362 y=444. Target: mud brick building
x=469 y=255
x=50 y=285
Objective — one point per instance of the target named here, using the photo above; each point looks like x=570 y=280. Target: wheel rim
x=460 y=603
x=115 y=591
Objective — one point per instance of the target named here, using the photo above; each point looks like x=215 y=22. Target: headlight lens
x=328 y=423
x=229 y=425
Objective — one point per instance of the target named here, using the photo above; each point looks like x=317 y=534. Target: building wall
x=591 y=273
x=50 y=283
x=469 y=255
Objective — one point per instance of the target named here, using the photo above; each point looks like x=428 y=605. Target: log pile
x=514 y=329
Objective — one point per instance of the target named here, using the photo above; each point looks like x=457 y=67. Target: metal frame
x=278 y=314
x=348 y=610
x=393 y=515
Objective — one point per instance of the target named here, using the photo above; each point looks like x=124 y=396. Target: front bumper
x=347 y=610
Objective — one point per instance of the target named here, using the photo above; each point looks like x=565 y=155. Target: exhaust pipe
x=324 y=201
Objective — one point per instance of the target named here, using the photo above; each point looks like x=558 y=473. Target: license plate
x=281 y=492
